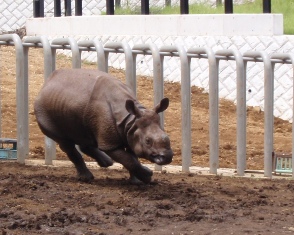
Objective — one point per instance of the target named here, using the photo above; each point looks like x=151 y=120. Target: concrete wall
x=159 y=25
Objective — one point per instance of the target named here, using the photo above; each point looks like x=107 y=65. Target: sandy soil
x=46 y=200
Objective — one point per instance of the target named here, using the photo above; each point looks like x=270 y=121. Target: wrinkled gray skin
x=101 y=115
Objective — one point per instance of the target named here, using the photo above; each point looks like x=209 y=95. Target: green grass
x=285 y=7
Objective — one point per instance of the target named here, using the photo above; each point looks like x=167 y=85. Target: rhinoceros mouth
x=160 y=159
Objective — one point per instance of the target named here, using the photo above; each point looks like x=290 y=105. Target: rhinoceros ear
x=162 y=105
x=132 y=108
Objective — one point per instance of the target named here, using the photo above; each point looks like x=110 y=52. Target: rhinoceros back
x=85 y=107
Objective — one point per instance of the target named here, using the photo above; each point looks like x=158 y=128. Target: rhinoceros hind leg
x=83 y=172
x=101 y=158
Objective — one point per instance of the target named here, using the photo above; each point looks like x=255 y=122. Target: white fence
x=186 y=57
x=13 y=15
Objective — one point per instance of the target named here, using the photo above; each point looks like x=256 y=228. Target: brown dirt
x=46 y=200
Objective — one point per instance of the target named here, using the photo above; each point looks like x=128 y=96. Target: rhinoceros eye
x=148 y=141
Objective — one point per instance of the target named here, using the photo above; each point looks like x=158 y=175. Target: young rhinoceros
x=101 y=115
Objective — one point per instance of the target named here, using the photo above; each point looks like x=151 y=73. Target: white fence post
x=268 y=108
x=241 y=108
x=158 y=83
x=185 y=103
x=284 y=57
x=130 y=74
x=101 y=60
x=21 y=97
x=50 y=146
x=213 y=105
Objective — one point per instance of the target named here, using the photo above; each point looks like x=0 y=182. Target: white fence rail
x=158 y=55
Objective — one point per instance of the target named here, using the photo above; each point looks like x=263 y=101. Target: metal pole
x=213 y=107
x=184 y=7
x=145 y=7
x=158 y=83
x=185 y=103
x=241 y=108
x=50 y=146
x=130 y=74
x=267 y=6
x=213 y=112
x=26 y=90
x=76 y=55
x=291 y=58
x=186 y=107
x=101 y=60
x=38 y=8
x=22 y=110
x=110 y=7
x=228 y=6
x=67 y=7
x=268 y=115
x=57 y=8
x=268 y=109
x=78 y=7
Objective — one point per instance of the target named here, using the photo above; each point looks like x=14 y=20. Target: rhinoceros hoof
x=142 y=174
x=85 y=177
x=135 y=181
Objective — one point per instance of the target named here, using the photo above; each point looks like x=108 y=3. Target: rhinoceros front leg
x=131 y=163
x=101 y=158
x=83 y=172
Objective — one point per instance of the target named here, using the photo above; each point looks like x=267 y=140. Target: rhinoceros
x=100 y=114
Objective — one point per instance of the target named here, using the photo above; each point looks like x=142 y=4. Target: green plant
x=285 y=7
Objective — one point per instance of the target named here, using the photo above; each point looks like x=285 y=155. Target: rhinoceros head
x=147 y=139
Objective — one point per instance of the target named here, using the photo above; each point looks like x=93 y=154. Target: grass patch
x=285 y=7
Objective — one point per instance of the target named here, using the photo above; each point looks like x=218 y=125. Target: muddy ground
x=47 y=200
